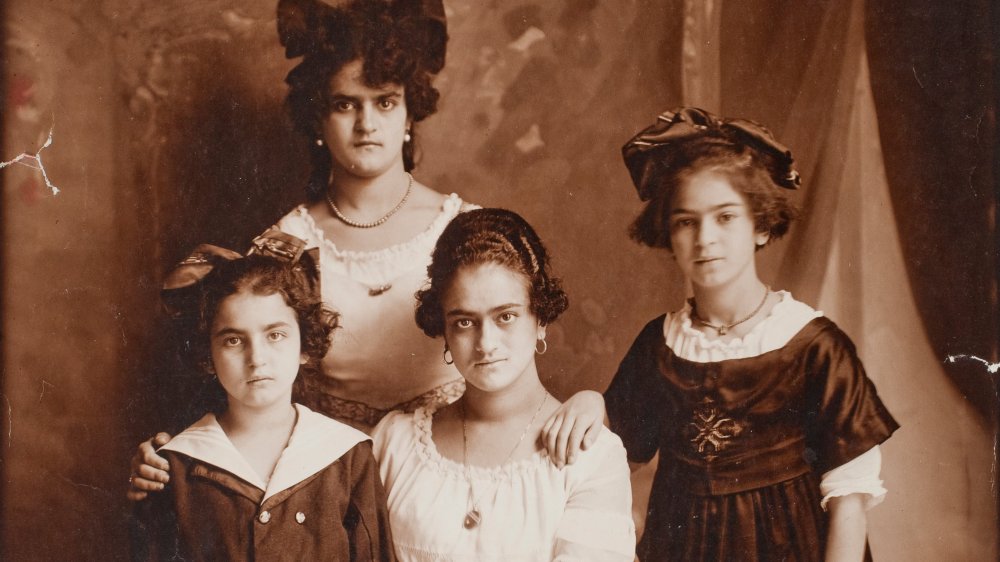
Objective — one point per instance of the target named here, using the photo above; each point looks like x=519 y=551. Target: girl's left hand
x=574 y=427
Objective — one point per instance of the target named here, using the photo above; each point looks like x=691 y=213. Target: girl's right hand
x=149 y=470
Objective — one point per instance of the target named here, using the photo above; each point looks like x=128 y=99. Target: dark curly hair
x=749 y=171
x=397 y=41
x=264 y=275
x=489 y=236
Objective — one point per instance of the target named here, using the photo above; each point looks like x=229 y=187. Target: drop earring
x=448 y=359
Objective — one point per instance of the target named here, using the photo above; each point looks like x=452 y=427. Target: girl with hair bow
x=767 y=427
x=261 y=477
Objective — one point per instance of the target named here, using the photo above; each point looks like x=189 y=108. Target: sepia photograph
x=499 y=280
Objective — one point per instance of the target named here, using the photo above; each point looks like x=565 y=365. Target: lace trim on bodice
x=786 y=319
x=423 y=419
x=420 y=243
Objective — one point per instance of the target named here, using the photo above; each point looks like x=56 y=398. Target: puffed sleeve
x=634 y=400
x=846 y=417
x=597 y=522
x=367 y=519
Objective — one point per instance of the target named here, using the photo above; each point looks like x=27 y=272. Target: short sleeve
x=846 y=416
x=597 y=522
x=634 y=400
x=859 y=475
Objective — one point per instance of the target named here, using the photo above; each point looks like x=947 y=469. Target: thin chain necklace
x=474 y=516
x=376 y=222
x=722 y=329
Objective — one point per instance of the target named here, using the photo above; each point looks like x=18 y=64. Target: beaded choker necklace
x=376 y=222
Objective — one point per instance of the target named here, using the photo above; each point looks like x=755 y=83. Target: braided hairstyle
x=484 y=236
x=399 y=42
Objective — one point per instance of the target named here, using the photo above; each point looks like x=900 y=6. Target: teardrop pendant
x=472 y=519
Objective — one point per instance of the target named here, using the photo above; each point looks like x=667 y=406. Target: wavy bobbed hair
x=399 y=42
x=750 y=172
x=484 y=236
x=264 y=275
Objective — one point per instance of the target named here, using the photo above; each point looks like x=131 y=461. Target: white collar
x=315 y=443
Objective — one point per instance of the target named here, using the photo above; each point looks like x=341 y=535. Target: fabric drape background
x=168 y=130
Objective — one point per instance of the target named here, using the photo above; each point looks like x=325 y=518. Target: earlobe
x=762 y=238
x=541 y=332
x=303 y=359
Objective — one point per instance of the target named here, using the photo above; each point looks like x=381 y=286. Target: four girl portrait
x=377 y=351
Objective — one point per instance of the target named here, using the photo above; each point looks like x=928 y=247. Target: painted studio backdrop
x=133 y=130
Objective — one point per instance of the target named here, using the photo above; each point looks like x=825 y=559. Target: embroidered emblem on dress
x=712 y=429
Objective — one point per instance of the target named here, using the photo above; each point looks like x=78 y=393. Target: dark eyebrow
x=715 y=208
x=225 y=330
x=495 y=309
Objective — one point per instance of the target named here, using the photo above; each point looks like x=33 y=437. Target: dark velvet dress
x=743 y=442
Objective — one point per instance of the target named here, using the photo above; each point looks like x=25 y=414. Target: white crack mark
x=993 y=368
x=34 y=161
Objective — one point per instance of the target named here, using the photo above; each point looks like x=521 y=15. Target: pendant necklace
x=376 y=222
x=723 y=329
x=474 y=516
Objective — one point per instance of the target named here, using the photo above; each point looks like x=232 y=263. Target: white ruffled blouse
x=379 y=356
x=531 y=510
x=787 y=318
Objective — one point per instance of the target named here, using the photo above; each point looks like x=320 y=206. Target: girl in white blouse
x=471 y=480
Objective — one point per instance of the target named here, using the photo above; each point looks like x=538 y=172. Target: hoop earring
x=545 y=346
x=407 y=137
x=446 y=356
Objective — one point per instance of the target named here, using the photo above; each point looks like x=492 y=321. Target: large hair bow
x=310 y=26
x=182 y=286
x=688 y=123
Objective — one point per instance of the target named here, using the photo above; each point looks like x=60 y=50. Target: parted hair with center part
x=749 y=171
x=485 y=236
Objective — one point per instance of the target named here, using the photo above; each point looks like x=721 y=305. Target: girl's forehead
x=706 y=188
x=246 y=308
x=350 y=80
x=485 y=284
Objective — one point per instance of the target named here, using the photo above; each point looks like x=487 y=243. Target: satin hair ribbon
x=688 y=123
x=182 y=286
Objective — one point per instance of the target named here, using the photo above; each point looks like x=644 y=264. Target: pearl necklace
x=722 y=329
x=474 y=516
x=377 y=222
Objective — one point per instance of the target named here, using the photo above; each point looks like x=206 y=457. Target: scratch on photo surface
x=44 y=384
x=34 y=161
x=917 y=77
x=83 y=485
x=993 y=368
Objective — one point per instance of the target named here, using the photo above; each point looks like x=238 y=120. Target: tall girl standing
x=766 y=424
x=363 y=83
